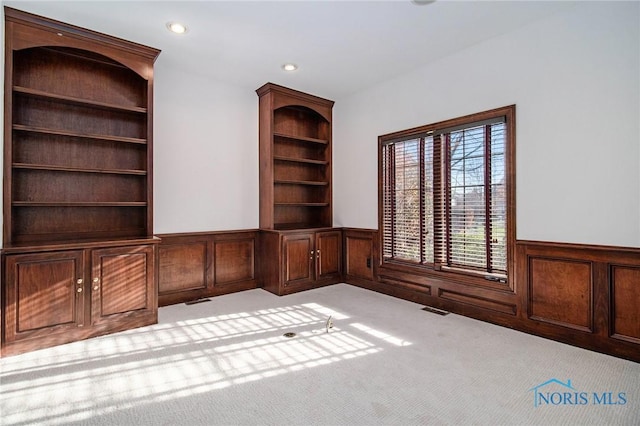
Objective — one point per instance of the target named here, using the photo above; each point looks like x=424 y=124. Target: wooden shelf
x=301 y=182
x=301 y=138
x=79 y=204
x=301 y=204
x=290 y=226
x=46 y=131
x=300 y=160
x=25 y=166
x=97 y=59
x=74 y=100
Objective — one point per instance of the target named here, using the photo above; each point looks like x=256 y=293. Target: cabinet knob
x=79 y=289
x=95 y=280
x=79 y=281
x=96 y=287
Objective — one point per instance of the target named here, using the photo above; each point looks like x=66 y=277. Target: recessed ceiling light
x=176 y=27
x=289 y=67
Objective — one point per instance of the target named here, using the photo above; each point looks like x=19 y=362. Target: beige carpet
x=385 y=361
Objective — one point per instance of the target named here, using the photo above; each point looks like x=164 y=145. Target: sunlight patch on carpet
x=188 y=357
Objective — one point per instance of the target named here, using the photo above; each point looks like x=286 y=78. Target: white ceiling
x=341 y=47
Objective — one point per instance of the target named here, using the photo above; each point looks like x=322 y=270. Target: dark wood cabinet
x=359 y=246
x=299 y=259
x=295 y=159
x=44 y=294
x=328 y=246
x=293 y=261
x=78 y=181
x=296 y=191
x=120 y=283
x=54 y=296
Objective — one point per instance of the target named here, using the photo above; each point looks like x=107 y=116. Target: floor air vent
x=435 y=310
x=193 y=302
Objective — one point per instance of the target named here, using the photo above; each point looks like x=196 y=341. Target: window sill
x=448 y=274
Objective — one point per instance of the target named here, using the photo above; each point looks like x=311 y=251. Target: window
x=446 y=195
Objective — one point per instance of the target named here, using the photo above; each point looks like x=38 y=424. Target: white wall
x=205 y=154
x=575 y=80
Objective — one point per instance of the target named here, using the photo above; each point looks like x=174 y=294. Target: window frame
x=469 y=276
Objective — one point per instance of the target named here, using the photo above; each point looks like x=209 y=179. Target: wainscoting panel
x=235 y=261
x=199 y=265
x=561 y=292
x=625 y=290
x=583 y=295
x=485 y=303
x=407 y=284
x=183 y=266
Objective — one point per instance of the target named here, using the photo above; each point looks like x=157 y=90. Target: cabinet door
x=298 y=259
x=359 y=252
x=328 y=254
x=44 y=294
x=122 y=283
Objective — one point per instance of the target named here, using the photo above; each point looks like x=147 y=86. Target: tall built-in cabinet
x=295 y=159
x=299 y=250
x=79 y=257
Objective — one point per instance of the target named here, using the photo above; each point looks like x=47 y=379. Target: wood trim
x=8 y=132
x=100 y=39
x=77 y=244
x=409 y=285
x=588 y=251
x=484 y=303
x=287 y=96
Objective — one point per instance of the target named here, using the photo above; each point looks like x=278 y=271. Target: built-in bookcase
x=295 y=159
x=78 y=145
x=79 y=256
